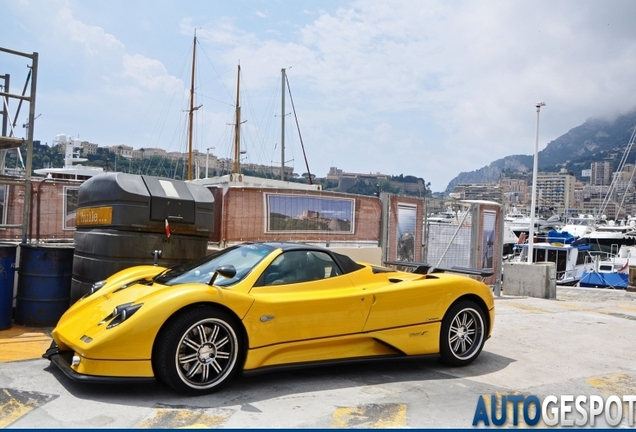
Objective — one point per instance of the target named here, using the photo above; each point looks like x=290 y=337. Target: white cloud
x=94 y=39
x=149 y=74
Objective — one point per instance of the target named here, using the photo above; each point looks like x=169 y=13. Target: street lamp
x=207 y=159
x=534 y=188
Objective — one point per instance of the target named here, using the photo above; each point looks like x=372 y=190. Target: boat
x=521 y=225
x=604 y=238
x=609 y=270
x=443 y=217
x=569 y=255
x=580 y=225
x=514 y=215
x=72 y=170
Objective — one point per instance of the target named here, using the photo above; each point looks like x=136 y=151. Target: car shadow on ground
x=249 y=389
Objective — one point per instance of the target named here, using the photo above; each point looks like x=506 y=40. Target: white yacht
x=72 y=170
x=604 y=237
x=580 y=225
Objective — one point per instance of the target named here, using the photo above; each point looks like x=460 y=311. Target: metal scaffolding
x=9 y=141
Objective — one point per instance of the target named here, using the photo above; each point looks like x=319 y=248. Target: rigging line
x=201 y=96
x=15 y=119
x=615 y=179
x=169 y=103
x=631 y=178
x=263 y=126
x=254 y=134
x=298 y=127
x=217 y=73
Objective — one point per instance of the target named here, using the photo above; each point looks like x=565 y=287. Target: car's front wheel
x=198 y=351
x=463 y=333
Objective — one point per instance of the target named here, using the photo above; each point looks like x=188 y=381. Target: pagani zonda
x=263 y=305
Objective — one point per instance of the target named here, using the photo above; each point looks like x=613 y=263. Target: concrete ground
x=582 y=343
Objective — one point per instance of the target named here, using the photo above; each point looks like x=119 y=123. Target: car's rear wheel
x=198 y=351
x=463 y=333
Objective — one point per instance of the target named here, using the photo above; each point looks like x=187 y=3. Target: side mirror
x=227 y=271
x=156 y=254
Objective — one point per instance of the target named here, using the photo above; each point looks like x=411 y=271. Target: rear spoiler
x=425 y=268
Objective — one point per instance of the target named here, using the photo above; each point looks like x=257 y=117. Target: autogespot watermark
x=563 y=410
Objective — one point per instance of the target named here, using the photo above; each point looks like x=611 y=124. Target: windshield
x=243 y=258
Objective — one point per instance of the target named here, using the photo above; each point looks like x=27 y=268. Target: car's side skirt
x=419 y=339
x=327 y=363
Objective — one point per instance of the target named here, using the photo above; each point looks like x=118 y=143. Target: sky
x=416 y=87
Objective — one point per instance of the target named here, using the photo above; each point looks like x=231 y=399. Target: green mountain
x=593 y=141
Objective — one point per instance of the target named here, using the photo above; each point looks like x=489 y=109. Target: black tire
x=198 y=351
x=463 y=333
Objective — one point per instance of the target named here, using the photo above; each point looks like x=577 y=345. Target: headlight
x=120 y=314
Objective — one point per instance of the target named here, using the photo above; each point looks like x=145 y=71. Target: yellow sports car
x=264 y=305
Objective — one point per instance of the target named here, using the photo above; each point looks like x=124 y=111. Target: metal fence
x=471 y=239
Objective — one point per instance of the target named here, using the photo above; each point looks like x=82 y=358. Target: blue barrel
x=44 y=284
x=7 y=276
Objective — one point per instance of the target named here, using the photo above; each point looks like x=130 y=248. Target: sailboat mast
x=282 y=127
x=191 y=111
x=237 y=126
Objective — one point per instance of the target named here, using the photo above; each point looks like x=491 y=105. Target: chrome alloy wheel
x=466 y=333
x=207 y=353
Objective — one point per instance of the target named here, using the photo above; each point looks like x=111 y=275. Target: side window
x=323 y=266
x=300 y=266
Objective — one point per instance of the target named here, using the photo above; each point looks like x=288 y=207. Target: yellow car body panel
x=309 y=310
x=134 y=341
x=423 y=299
x=115 y=368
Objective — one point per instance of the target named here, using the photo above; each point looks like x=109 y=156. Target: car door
x=303 y=295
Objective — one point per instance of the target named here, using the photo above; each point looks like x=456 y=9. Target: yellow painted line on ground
x=166 y=418
x=579 y=299
x=15 y=404
x=389 y=415
x=620 y=383
x=529 y=308
x=574 y=306
x=23 y=343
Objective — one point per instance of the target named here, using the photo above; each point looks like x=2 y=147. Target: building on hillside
x=346 y=180
x=515 y=191
x=88 y=148
x=592 y=199
x=556 y=191
x=601 y=173
x=122 y=150
x=484 y=192
x=334 y=173
x=152 y=151
x=627 y=174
